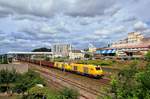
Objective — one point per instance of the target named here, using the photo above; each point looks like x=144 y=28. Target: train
x=82 y=69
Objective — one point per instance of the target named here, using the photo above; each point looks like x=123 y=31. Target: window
x=98 y=68
x=75 y=68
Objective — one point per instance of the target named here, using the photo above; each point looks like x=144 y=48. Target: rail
x=75 y=84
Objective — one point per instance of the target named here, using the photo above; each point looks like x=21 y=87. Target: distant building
x=134 y=38
x=100 y=52
x=61 y=50
x=135 y=45
x=91 y=48
x=76 y=54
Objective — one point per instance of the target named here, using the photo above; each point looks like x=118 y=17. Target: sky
x=29 y=24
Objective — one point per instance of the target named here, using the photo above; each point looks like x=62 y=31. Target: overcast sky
x=28 y=24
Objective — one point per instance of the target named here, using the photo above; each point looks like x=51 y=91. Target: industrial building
x=61 y=50
x=134 y=46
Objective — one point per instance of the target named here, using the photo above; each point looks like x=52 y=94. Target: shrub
x=147 y=56
x=67 y=93
x=27 y=81
x=37 y=92
x=131 y=83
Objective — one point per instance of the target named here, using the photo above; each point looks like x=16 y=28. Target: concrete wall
x=20 y=68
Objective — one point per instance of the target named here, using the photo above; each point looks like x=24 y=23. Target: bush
x=27 y=81
x=8 y=77
x=147 y=56
x=131 y=83
x=96 y=62
x=37 y=92
x=67 y=93
x=44 y=93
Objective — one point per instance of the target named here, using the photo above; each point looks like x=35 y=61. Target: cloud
x=112 y=30
x=27 y=24
x=49 y=8
x=90 y=8
x=4 y=12
x=28 y=7
x=140 y=26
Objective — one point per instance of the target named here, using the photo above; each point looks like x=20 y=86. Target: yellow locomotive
x=84 y=69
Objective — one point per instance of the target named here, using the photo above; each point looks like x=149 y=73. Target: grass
x=97 y=62
x=113 y=63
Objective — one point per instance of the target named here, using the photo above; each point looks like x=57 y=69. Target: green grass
x=97 y=62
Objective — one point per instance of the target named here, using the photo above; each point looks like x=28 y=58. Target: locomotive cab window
x=98 y=68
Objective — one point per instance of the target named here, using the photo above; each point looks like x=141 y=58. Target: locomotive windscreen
x=98 y=68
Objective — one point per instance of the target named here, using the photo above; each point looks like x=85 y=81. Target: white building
x=76 y=54
x=91 y=48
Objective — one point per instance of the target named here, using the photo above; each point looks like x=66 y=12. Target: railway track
x=104 y=81
x=79 y=86
x=62 y=80
x=85 y=90
x=58 y=86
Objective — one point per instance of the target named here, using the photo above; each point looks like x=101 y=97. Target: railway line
x=58 y=86
x=59 y=81
x=104 y=81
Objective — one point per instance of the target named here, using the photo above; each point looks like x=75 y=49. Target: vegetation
x=38 y=92
x=47 y=58
x=61 y=59
x=11 y=81
x=27 y=81
x=27 y=85
x=3 y=59
x=96 y=62
x=67 y=93
x=7 y=78
x=147 y=56
x=43 y=49
x=45 y=93
x=89 y=56
x=132 y=82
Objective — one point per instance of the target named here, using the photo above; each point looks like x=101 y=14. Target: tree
x=43 y=49
x=8 y=77
x=88 y=56
x=27 y=81
x=3 y=59
x=47 y=58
